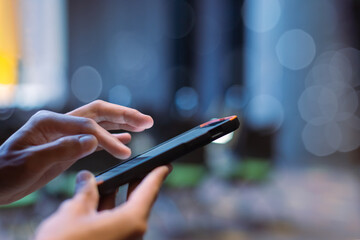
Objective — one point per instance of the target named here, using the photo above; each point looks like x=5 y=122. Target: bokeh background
x=288 y=68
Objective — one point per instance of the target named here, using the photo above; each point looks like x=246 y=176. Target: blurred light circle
x=186 y=98
x=322 y=74
x=350 y=140
x=318 y=105
x=261 y=15
x=6 y=113
x=295 y=49
x=322 y=140
x=353 y=56
x=86 y=84
x=347 y=99
x=235 y=97
x=346 y=61
x=265 y=111
x=184 y=22
x=325 y=57
x=353 y=122
x=120 y=95
x=341 y=64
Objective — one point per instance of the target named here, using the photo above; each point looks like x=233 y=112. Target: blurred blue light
x=295 y=49
x=186 y=98
x=120 y=95
x=261 y=15
x=265 y=111
x=86 y=84
x=234 y=97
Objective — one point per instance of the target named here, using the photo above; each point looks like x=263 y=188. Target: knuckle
x=97 y=103
x=97 y=107
x=88 y=123
x=134 y=111
x=41 y=116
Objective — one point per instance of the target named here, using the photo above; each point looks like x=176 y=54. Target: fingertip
x=170 y=167
x=123 y=153
x=125 y=138
x=149 y=121
x=84 y=176
x=82 y=179
x=88 y=142
x=164 y=170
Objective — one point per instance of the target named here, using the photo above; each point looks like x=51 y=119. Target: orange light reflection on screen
x=9 y=51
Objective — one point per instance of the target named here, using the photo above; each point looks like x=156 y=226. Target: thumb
x=87 y=195
x=67 y=148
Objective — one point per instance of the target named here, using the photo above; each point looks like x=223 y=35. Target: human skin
x=80 y=218
x=49 y=143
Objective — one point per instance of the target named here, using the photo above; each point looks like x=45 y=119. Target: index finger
x=102 y=111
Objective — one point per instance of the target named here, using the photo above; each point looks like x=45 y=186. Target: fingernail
x=170 y=167
x=82 y=178
x=124 y=154
x=86 y=139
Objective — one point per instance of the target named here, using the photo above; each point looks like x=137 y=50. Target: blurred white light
x=353 y=122
x=224 y=139
x=295 y=49
x=350 y=140
x=261 y=15
x=86 y=84
x=318 y=105
x=347 y=99
x=28 y=97
x=340 y=62
x=322 y=140
x=7 y=95
x=186 y=98
x=353 y=58
x=120 y=95
x=265 y=111
x=322 y=74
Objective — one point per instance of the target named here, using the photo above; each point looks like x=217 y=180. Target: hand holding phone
x=137 y=167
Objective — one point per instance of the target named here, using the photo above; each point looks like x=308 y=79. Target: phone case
x=164 y=153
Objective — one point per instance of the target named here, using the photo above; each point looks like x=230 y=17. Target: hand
x=78 y=217
x=49 y=143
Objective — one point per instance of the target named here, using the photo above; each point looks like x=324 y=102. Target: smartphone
x=164 y=153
